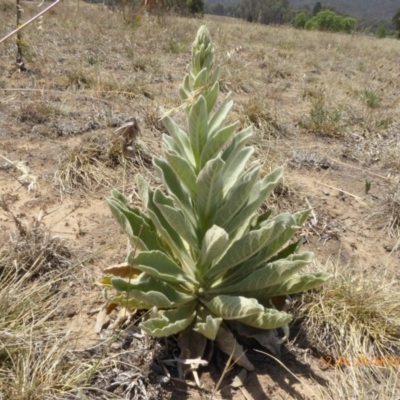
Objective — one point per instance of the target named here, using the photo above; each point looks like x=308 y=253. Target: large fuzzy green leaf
x=196 y=62
x=240 y=251
x=181 y=139
x=183 y=94
x=135 y=226
x=265 y=276
x=168 y=234
x=287 y=251
x=296 y=284
x=126 y=226
x=117 y=195
x=143 y=188
x=170 y=322
x=269 y=319
x=198 y=127
x=159 y=265
x=170 y=145
x=258 y=195
x=184 y=88
x=216 y=143
x=293 y=223
x=175 y=218
x=215 y=243
x=207 y=324
x=237 y=143
x=208 y=61
x=152 y=291
x=182 y=169
x=218 y=118
x=233 y=307
x=177 y=191
x=211 y=97
x=237 y=197
x=209 y=186
x=234 y=167
x=286 y=227
x=215 y=75
x=201 y=79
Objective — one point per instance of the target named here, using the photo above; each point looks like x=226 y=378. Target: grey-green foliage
x=205 y=254
x=326 y=20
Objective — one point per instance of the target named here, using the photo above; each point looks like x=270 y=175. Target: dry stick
x=30 y=21
x=348 y=193
x=385 y=178
x=20 y=59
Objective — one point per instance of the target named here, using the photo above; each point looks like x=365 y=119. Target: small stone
x=388 y=247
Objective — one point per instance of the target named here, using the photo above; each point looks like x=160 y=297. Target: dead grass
x=31 y=249
x=387 y=215
x=259 y=113
x=353 y=324
x=33 y=350
x=91 y=164
x=39 y=357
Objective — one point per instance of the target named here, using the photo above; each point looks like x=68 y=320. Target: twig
x=315 y=220
x=343 y=191
x=30 y=21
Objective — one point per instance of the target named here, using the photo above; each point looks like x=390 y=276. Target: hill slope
x=361 y=9
x=368 y=11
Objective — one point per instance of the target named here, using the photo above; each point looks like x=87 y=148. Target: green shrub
x=328 y=20
x=300 y=20
x=381 y=32
x=204 y=261
x=348 y=24
x=371 y=98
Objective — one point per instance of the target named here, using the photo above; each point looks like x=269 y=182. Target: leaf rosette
x=207 y=261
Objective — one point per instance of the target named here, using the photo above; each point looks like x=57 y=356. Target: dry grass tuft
x=37 y=112
x=33 y=354
x=90 y=164
x=353 y=316
x=387 y=215
x=257 y=112
x=368 y=382
x=353 y=323
x=32 y=249
x=323 y=119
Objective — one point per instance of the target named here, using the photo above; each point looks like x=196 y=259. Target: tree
x=196 y=6
x=396 y=20
x=265 y=11
x=317 y=8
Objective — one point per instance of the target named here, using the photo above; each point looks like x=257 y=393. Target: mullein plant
x=203 y=260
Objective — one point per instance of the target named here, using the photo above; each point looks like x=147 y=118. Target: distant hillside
x=224 y=2
x=370 y=12
x=366 y=10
